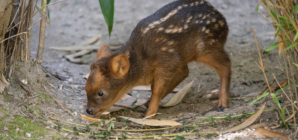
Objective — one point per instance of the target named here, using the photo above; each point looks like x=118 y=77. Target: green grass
x=45 y=96
x=24 y=124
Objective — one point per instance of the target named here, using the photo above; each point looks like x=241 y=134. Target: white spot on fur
x=160 y=29
x=222 y=23
x=171 y=42
x=208 y=22
x=197 y=21
x=204 y=28
x=157 y=40
x=196 y=3
x=174 y=30
x=171 y=50
x=202 y=2
x=216 y=26
x=207 y=31
x=200 y=15
x=213 y=19
x=180 y=30
x=204 y=17
x=179 y=7
x=192 y=4
x=153 y=24
x=185 y=26
x=164 y=48
x=188 y=19
x=185 y=5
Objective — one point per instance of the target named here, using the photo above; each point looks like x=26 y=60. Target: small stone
x=70 y=80
x=60 y=87
x=69 y=120
x=2 y=114
x=5 y=128
x=28 y=135
x=74 y=113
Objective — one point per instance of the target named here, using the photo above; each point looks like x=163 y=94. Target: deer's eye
x=100 y=93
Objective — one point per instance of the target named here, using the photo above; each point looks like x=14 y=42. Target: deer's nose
x=89 y=111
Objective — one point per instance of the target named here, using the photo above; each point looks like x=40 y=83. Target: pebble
x=28 y=135
x=75 y=113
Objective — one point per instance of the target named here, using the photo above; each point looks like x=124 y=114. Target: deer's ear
x=103 y=51
x=119 y=65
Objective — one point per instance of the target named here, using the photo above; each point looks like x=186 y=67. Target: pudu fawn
x=157 y=53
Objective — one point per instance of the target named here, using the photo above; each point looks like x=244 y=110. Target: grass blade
x=295 y=64
x=257 y=9
x=48 y=11
x=283 y=114
x=291 y=46
x=260 y=97
x=296 y=36
x=275 y=100
x=272 y=47
x=284 y=88
x=74 y=6
x=107 y=8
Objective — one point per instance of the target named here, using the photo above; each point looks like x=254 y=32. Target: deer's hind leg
x=218 y=59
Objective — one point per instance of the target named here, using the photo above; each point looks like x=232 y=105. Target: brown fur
x=157 y=53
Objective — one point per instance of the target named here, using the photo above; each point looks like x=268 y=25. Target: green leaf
x=88 y=128
x=74 y=6
x=273 y=14
x=283 y=114
x=257 y=8
x=296 y=36
x=285 y=18
x=179 y=138
x=260 y=97
x=107 y=8
x=93 y=123
x=295 y=64
x=291 y=46
x=296 y=8
x=275 y=100
x=284 y=88
x=288 y=112
x=272 y=47
x=134 y=106
x=48 y=13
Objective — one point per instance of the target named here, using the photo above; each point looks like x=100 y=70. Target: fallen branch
x=81 y=47
x=152 y=122
x=234 y=115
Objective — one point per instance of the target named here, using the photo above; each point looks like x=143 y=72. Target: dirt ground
x=71 y=28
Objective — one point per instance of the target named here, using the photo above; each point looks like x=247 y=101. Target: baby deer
x=157 y=53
